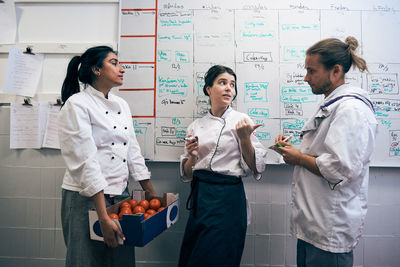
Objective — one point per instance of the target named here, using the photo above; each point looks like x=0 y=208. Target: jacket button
x=119 y=112
x=106 y=112
x=124 y=160
x=124 y=143
x=112 y=143
x=126 y=128
x=115 y=127
x=112 y=157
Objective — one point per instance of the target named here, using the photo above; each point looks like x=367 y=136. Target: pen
x=284 y=140
x=189 y=139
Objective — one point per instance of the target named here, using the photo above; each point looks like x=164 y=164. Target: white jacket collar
x=226 y=113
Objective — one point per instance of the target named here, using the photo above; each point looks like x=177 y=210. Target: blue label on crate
x=96 y=229
x=173 y=213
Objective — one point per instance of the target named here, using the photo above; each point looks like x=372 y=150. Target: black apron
x=216 y=228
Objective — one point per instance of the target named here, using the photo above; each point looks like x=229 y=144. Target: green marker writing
x=284 y=140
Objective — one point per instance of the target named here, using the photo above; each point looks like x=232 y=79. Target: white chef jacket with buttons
x=219 y=147
x=98 y=143
x=329 y=211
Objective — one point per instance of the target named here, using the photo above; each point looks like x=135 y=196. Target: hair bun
x=352 y=43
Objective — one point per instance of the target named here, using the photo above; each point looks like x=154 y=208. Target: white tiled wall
x=30 y=213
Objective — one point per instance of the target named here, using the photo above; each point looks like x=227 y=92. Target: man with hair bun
x=330 y=178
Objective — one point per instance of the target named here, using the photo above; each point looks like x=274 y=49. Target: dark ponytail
x=71 y=84
x=80 y=68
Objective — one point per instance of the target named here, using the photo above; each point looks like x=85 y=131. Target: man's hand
x=290 y=154
x=293 y=156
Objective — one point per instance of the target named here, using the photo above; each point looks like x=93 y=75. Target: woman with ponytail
x=330 y=179
x=100 y=149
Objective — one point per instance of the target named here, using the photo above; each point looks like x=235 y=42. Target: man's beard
x=322 y=89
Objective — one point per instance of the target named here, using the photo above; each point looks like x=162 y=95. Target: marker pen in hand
x=190 y=139
x=284 y=140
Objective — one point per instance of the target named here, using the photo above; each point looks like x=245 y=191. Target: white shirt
x=219 y=147
x=329 y=211
x=99 y=144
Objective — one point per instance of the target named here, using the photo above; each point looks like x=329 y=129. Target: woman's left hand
x=244 y=128
x=110 y=229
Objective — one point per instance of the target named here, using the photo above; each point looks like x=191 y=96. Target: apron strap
x=193 y=187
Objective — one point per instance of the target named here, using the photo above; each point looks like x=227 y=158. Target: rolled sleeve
x=261 y=158
x=247 y=170
x=260 y=154
x=346 y=143
x=79 y=149
x=92 y=189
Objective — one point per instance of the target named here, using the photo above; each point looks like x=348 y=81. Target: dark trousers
x=311 y=256
x=216 y=228
x=81 y=250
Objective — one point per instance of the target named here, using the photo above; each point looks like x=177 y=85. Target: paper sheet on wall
x=34 y=126
x=22 y=73
x=27 y=125
x=8 y=22
x=50 y=139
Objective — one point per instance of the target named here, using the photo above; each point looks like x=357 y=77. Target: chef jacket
x=328 y=211
x=219 y=146
x=98 y=144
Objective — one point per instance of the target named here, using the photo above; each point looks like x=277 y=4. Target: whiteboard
x=167 y=46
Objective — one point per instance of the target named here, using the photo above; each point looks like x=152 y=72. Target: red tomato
x=155 y=204
x=113 y=216
x=151 y=211
x=144 y=203
x=125 y=211
x=138 y=209
x=146 y=216
x=124 y=204
x=133 y=203
x=160 y=209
